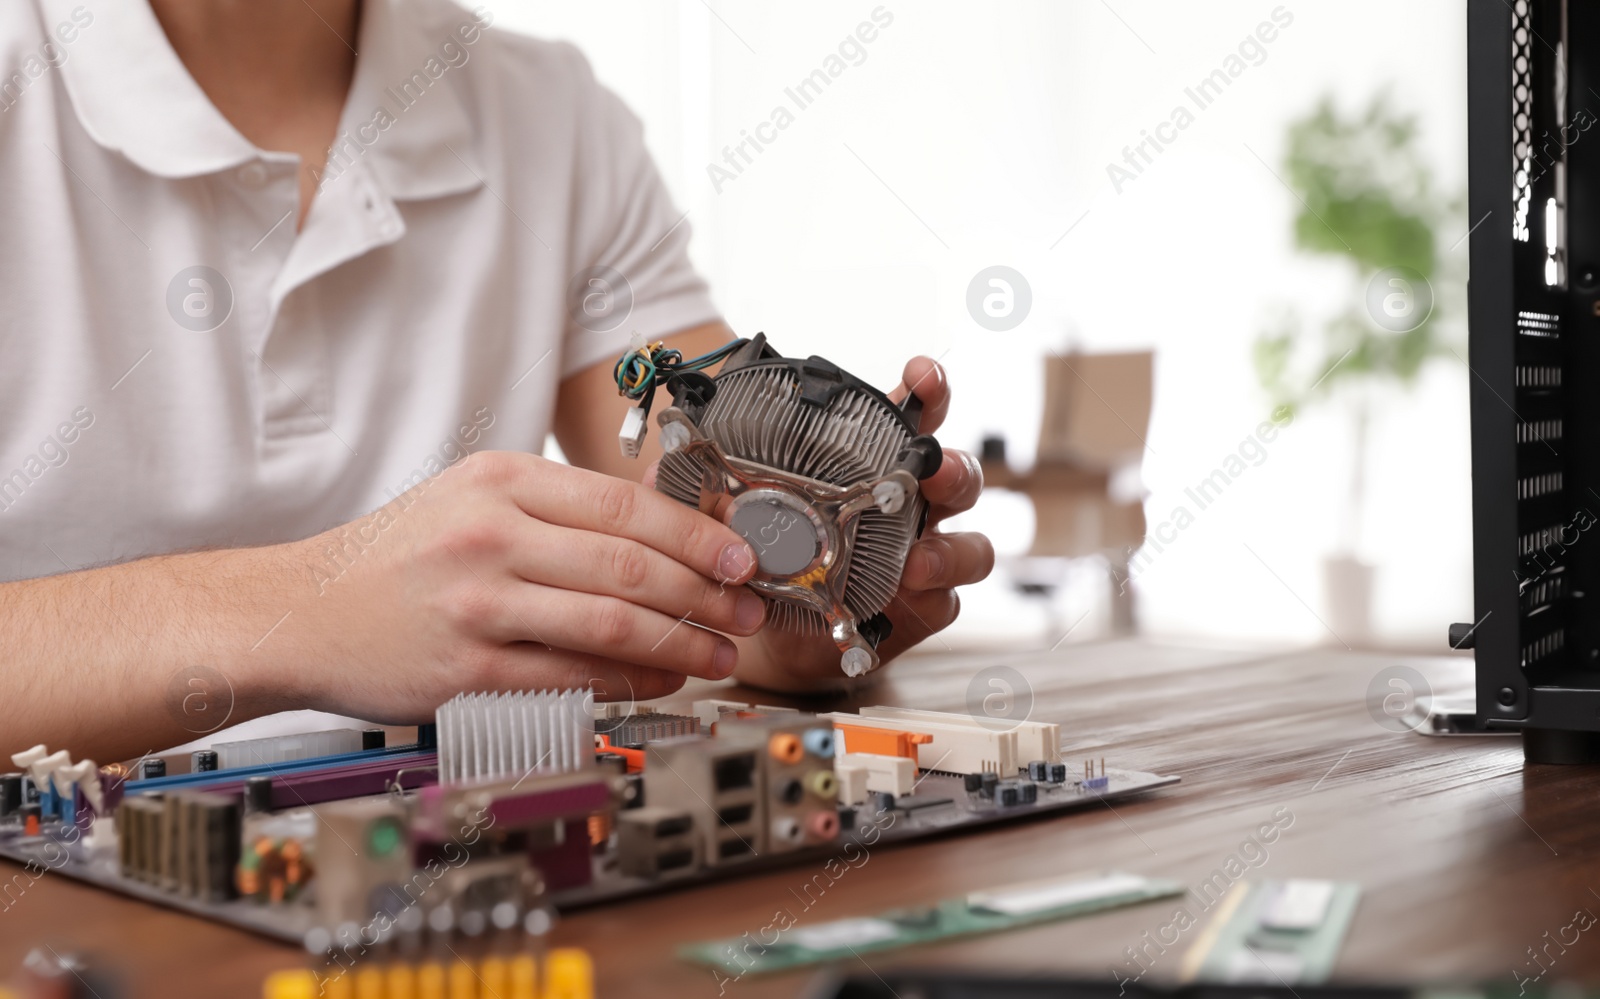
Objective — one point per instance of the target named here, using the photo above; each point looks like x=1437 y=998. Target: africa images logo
x=199 y=298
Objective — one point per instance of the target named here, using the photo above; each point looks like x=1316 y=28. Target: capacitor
x=10 y=794
x=633 y=796
x=373 y=738
x=202 y=761
x=1058 y=773
x=1009 y=794
x=882 y=801
x=1027 y=794
x=972 y=782
x=152 y=768
x=1037 y=770
x=990 y=781
x=257 y=794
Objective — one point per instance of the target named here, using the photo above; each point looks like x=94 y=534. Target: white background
x=978 y=135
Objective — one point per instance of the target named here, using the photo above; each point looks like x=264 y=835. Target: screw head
x=673 y=437
x=1508 y=696
x=890 y=496
x=856 y=662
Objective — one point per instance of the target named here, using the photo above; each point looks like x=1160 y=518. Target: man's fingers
x=530 y=666
x=941 y=561
x=916 y=616
x=954 y=487
x=925 y=377
x=614 y=629
x=603 y=565
x=590 y=501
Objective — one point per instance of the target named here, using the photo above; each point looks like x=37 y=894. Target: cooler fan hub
x=779 y=527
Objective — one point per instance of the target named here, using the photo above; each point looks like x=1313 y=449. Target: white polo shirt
x=180 y=368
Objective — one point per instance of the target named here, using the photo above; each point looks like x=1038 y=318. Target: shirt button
x=253 y=176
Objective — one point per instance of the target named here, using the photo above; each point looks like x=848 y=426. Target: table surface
x=1467 y=859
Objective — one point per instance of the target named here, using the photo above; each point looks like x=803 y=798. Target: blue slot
x=178 y=782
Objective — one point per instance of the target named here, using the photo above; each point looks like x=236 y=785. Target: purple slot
x=352 y=782
x=293 y=790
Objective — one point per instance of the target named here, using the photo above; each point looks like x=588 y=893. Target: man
x=292 y=287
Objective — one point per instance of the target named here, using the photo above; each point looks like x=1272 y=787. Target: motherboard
x=513 y=807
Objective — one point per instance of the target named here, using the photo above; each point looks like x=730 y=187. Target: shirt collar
x=405 y=114
x=133 y=94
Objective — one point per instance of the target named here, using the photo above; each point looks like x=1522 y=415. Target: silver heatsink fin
x=812 y=468
x=494 y=736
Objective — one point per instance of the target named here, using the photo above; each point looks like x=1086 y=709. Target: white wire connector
x=631 y=437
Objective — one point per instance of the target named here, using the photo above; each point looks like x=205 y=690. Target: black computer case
x=1534 y=338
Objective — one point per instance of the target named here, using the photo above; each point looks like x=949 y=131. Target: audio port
x=787 y=830
x=792 y=792
x=819 y=742
x=823 y=784
x=823 y=825
x=786 y=748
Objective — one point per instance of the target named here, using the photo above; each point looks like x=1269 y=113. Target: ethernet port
x=734 y=772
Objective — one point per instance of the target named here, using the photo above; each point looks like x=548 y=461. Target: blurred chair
x=1096 y=418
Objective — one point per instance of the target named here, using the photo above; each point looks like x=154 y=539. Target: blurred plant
x=1367 y=195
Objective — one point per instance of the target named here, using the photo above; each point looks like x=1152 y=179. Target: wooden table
x=1467 y=859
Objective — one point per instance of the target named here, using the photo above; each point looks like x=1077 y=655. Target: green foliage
x=1365 y=195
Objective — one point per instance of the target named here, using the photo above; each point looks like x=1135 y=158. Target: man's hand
x=508 y=572
x=938 y=563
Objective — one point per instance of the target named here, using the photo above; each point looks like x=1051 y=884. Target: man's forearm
x=109 y=663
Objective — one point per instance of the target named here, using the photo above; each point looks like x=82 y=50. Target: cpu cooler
x=816 y=469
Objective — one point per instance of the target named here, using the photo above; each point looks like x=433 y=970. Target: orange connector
x=632 y=758
x=786 y=748
x=881 y=741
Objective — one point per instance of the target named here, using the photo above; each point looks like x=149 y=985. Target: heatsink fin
x=758 y=415
x=493 y=736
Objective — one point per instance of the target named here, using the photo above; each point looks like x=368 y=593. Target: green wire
x=638 y=372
